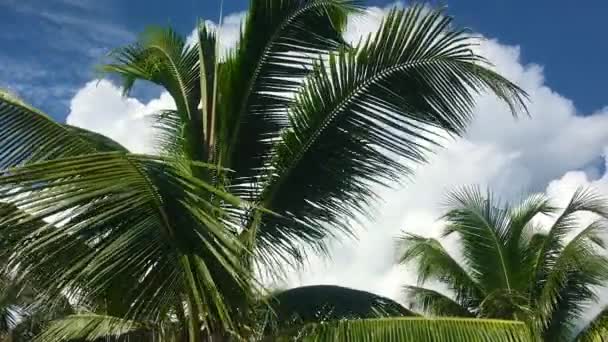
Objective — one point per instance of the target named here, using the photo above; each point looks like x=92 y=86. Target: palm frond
x=418 y=329
x=29 y=135
x=279 y=41
x=483 y=227
x=102 y=207
x=92 y=327
x=596 y=330
x=433 y=262
x=393 y=93
x=161 y=56
x=433 y=303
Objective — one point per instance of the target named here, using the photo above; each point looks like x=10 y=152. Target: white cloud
x=230 y=31
x=100 y=106
x=555 y=147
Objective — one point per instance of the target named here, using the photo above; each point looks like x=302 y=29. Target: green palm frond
x=582 y=266
x=583 y=200
x=392 y=93
x=102 y=207
x=483 y=226
x=29 y=135
x=161 y=56
x=279 y=41
x=434 y=303
x=433 y=262
x=418 y=329
x=596 y=330
x=91 y=327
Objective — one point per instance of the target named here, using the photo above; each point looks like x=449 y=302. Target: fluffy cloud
x=100 y=106
x=554 y=150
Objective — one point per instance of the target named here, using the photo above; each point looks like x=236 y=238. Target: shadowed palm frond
x=399 y=91
x=279 y=41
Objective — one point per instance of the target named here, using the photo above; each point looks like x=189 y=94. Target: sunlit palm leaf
x=419 y=329
x=94 y=327
x=28 y=135
x=596 y=330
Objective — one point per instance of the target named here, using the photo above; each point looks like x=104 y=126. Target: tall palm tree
x=511 y=267
x=271 y=149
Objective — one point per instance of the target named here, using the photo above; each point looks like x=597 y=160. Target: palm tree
x=270 y=150
x=511 y=267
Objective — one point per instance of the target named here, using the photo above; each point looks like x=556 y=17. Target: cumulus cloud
x=552 y=151
x=100 y=106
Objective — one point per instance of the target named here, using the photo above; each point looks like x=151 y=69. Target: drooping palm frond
x=483 y=226
x=91 y=327
x=434 y=303
x=28 y=135
x=433 y=262
x=394 y=92
x=117 y=203
x=162 y=56
x=418 y=329
x=596 y=330
x=279 y=41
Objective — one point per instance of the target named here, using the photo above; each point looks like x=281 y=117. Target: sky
x=555 y=50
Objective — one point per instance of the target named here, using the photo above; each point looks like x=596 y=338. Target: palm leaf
x=117 y=203
x=91 y=327
x=279 y=41
x=596 y=330
x=580 y=269
x=393 y=93
x=29 y=135
x=418 y=329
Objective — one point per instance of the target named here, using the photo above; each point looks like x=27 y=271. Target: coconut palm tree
x=270 y=150
x=509 y=266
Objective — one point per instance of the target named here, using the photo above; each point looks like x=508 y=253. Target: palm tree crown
x=513 y=268
x=269 y=149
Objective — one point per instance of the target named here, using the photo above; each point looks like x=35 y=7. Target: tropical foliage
x=509 y=266
x=269 y=152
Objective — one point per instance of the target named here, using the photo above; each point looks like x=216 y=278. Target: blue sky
x=50 y=46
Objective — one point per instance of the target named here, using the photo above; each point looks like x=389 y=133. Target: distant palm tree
x=510 y=267
x=269 y=152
